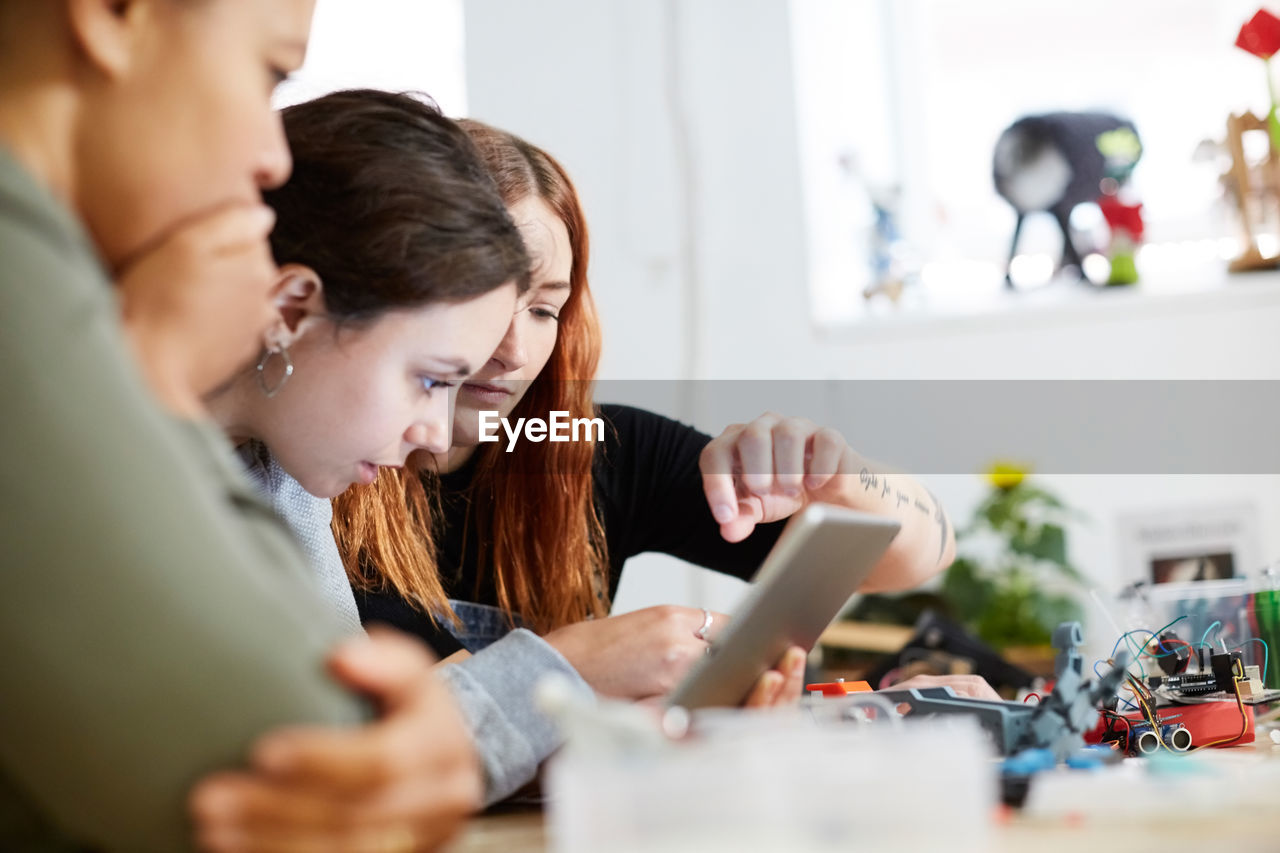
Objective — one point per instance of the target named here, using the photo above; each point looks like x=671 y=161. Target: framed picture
x=1187 y=544
x=1193 y=567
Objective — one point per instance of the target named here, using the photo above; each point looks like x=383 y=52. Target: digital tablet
x=822 y=557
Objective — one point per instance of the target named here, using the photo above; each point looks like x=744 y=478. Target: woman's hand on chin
x=196 y=304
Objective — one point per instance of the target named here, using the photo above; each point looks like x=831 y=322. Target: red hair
x=533 y=509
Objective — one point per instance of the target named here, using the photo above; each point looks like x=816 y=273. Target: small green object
x=1120 y=144
x=1273 y=122
x=1123 y=268
x=1273 y=125
x=1267 y=609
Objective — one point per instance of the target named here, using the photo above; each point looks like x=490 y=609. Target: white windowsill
x=1061 y=303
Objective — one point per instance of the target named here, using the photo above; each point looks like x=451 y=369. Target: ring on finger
x=707 y=619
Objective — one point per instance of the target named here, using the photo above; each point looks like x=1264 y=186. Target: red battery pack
x=1207 y=723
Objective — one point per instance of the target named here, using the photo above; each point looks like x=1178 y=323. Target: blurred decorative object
x=1011 y=552
x=1054 y=163
x=1260 y=36
x=1125 y=222
x=888 y=275
x=1006 y=475
x=1252 y=183
x=1121 y=151
x=891 y=265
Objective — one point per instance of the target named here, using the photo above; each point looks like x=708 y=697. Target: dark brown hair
x=391 y=205
x=540 y=535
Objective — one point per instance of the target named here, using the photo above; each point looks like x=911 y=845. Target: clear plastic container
x=780 y=782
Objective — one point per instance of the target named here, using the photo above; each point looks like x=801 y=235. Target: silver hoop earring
x=272 y=390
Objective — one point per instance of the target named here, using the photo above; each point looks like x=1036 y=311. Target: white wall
x=676 y=119
x=397 y=45
x=585 y=80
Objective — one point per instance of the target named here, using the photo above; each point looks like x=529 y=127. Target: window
x=398 y=45
x=903 y=100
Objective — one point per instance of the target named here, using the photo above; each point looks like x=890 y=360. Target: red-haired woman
x=368 y=309
x=538 y=537
x=477 y=542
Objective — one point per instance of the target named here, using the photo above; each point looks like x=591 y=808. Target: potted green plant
x=1012 y=583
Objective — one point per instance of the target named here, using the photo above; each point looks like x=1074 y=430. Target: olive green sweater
x=155 y=617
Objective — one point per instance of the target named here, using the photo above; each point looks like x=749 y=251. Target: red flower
x=1261 y=36
x=1121 y=216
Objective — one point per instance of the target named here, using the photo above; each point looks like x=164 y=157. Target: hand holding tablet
x=820 y=560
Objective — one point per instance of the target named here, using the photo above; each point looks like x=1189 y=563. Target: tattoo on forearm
x=943 y=525
x=871 y=481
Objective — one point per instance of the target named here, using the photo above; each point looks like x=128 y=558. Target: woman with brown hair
x=463 y=547
x=397 y=279
x=538 y=536
x=396 y=257
x=399 y=270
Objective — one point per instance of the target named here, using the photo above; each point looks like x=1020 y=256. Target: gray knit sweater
x=494 y=687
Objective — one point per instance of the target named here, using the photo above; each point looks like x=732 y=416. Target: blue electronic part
x=1141 y=738
x=1029 y=761
x=1091 y=758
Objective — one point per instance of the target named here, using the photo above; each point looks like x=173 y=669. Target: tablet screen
x=822 y=557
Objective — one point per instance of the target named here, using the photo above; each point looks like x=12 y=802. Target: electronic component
x=1190 y=685
x=1219 y=723
x=839 y=687
x=1226 y=667
x=1174 y=655
x=1218 y=677
x=1142 y=739
x=1058 y=723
